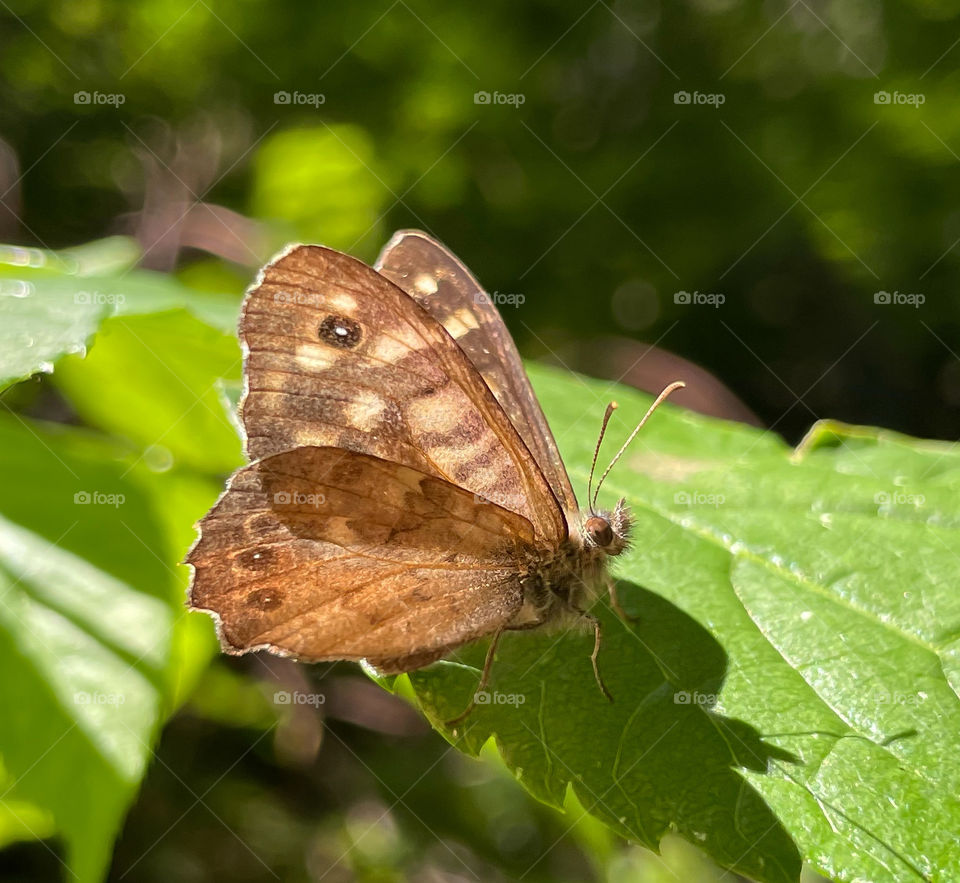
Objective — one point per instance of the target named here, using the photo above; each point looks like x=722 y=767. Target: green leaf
x=788 y=689
x=171 y=402
x=38 y=326
x=95 y=646
x=85 y=686
x=21 y=820
x=52 y=303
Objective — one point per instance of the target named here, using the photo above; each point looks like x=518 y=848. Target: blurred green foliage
x=798 y=198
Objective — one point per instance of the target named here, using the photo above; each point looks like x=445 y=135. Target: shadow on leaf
x=659 y=758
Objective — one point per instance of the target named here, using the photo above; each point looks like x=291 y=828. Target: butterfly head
x=608 y=531
x=604 y=530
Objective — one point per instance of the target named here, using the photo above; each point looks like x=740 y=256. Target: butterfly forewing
x=323 y=553
x=432 y=275
x=337 y=355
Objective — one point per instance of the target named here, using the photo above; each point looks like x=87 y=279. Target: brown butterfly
x=406 y=495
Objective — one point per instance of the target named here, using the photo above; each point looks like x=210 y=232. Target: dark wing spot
x=340 y=331
x=265 y=599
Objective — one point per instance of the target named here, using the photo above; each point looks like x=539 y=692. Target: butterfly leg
x=615 y=601
x=488 y=664
x=597 y=638
x=484 y=680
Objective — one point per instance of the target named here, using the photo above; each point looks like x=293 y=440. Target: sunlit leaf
x=95 y=646
x=52 y=303
x=158 y=381
x=788 y=688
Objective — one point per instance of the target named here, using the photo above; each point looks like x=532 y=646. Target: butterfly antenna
x=677 y=384
x=596 y=451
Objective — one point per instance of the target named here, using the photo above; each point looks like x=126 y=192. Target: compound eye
x=599 y=530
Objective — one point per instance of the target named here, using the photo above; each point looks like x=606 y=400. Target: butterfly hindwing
x=431 y=274
x=323 y=553
x=336 y=355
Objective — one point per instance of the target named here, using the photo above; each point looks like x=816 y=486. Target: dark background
x=798 y=198
x=595 y=195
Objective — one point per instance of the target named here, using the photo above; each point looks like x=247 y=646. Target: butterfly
x=405 y=495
